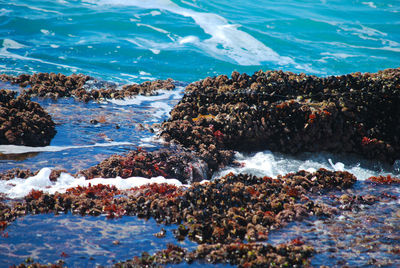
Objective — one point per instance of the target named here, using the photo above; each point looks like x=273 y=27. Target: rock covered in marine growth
x=183 y=166
x=220 y=215
x=26 y=173
x=30 y=263
x=24 y=122
x=58 y=85
x=16 y=173
x=241 y=255
x=291 y=113
x=229 y=209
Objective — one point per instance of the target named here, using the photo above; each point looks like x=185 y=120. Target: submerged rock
x=241 y=255
x=24 y=122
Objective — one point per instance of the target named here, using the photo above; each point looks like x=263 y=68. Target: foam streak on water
x=236 y=45
x=188 y=40
x=18 y=188
x=19 y=149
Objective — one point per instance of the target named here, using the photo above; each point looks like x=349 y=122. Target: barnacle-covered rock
x=24 y=122
x=76 y=85
x=291 y=113
x=181 y=165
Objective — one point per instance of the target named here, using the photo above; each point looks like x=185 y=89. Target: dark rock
x=24 y=122
x=290 y=113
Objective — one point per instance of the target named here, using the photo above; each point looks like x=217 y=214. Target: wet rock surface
x=232 y=209
x=241 y=255
x=232 y=218
x=24 y=122
x=38 y=265
x=16 y=173
x=179 y=164
x=77 y=85
x=291 y=113
x=365 y=233
x=325 y=207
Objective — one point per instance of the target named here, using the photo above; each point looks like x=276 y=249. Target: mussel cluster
x=239 y=254
x=291 y=113
x=24 y=122
x=232 y=208
x=16 y=173
x=181 y=165
x=59 y=85
x=228 y=210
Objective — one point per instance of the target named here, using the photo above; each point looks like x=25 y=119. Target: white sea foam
x=226 y=42
x=338 y=55
x=4 y=11
x=161 y=97
x=271 y=164
x=152 y=27
x=154 y=47
x=44 y=31
x=36 y=8
x=144 y=73
x=370 y=4
x=18 y=149
x=8 y=43
x=155 y=13
x=260 y=164
x=18 y=188
x=159 y=105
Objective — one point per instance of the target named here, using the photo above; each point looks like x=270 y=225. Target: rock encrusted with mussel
x=56 y=86
x=291 y=113
x=169 y=163
x=24 y=122
x=239 y=254
x=229 y=209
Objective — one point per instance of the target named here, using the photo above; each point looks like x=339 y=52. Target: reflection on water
x=90 y=132
x=17 y=157
x=88 y=241
x=361 y=235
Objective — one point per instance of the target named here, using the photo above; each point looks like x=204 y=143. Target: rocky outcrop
x=24 y=122
x=58 y=85
x=291 y=113
x=179 y=164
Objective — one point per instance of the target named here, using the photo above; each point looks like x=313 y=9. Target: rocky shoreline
x=231 y=217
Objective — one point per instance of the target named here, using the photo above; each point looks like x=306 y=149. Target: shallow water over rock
x=90 y=132
x=86 y=241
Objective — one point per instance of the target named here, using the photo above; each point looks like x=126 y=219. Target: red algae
x=384 y=179
x=162 y=189
x=35 y=194
x=98 y=191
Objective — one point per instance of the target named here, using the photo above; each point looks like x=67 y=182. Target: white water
x=271 y=164
x=159 y=106
x=261 y=164
x=161 y=97
x=226 y=41
x=18 y=188
x=20 y=149
x=11 y=44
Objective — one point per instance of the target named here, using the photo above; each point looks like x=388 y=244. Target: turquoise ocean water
x=131 y=41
